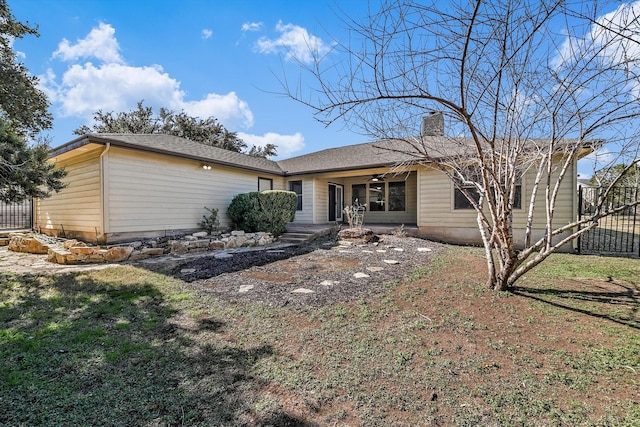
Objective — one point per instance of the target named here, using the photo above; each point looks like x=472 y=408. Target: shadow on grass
x=573 y=300
x=102 y=349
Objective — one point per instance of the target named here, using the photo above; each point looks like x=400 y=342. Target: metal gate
x=15 y=216
x=615 y=234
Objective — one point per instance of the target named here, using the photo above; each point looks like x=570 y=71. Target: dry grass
x=127 y=346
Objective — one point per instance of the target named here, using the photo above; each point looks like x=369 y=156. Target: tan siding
x=77 y=208
x=321 y=201
x=305 y=216
x=437 y=211
x=152 y=192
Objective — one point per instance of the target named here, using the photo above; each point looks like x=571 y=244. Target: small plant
x=354 y=214
x=210 y=222
x=400 y=231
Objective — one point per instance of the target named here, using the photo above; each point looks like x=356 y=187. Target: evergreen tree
x=24 y=169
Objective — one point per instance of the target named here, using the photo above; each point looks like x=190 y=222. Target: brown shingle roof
x=359 y=156
x=177 y=147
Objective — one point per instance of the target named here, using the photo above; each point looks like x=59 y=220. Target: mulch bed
x=323 y=273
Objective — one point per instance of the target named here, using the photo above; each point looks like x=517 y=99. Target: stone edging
x=75 y=252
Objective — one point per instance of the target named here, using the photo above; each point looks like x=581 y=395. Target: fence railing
x=16 y=216
x=618 y=233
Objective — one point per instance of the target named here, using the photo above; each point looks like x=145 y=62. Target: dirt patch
x=318 y=274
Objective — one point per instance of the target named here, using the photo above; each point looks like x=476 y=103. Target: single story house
x=123 y=187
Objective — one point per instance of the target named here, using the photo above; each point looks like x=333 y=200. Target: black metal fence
x=615 y=234
x=16 y=216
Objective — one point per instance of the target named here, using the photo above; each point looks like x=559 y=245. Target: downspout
x=104 y=189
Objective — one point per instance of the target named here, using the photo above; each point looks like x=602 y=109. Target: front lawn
x=125 y=346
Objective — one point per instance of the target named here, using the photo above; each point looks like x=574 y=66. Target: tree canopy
x=142 y=120
x=525 y=88
x=26 y=171
x=619 y=175
x=24 y=168
x=21 y=102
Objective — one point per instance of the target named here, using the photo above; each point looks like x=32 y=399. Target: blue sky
x=208 y=58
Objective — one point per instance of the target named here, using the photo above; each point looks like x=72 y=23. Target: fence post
x=579 y=218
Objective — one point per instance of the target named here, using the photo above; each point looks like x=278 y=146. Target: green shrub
x=268 y=211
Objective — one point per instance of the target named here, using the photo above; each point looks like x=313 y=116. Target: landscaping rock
x=223 y=255
x=83 y=250
x=216 y=244
x=245 y=288
x=73 y=242
x=179 y=247
x=361 y=234
x=28 y=243
x=118 y=253
x=145 y=253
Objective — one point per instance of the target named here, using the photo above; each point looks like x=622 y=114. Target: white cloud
x=617 y=31
x=251 y=26
x=86 y=88
x=296 y=42
x=614 y=36
x=206 y=33
x=286 y=144
x=228 y=109
x=100 y=43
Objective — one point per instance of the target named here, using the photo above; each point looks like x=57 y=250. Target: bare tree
x=526 y=88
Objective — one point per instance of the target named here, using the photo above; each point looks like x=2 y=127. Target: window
x=265 y=184
x=397 y=196
x=461 y=202
x=517 y=197
x=358 y=194
x=296 y=187
x=376 y=197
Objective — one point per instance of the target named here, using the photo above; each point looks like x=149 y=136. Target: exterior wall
x=305 y=216
x=76 y=211
x=440 y=221
x=321 y=201
x=150 y=194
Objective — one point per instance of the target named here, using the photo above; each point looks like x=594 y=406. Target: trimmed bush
x=268 y=211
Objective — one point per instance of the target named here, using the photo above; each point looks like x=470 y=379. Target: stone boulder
x=28 y=243
x=118 y=253
x=365 y=235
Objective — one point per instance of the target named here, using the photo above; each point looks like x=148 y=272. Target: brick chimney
x=433 y=124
